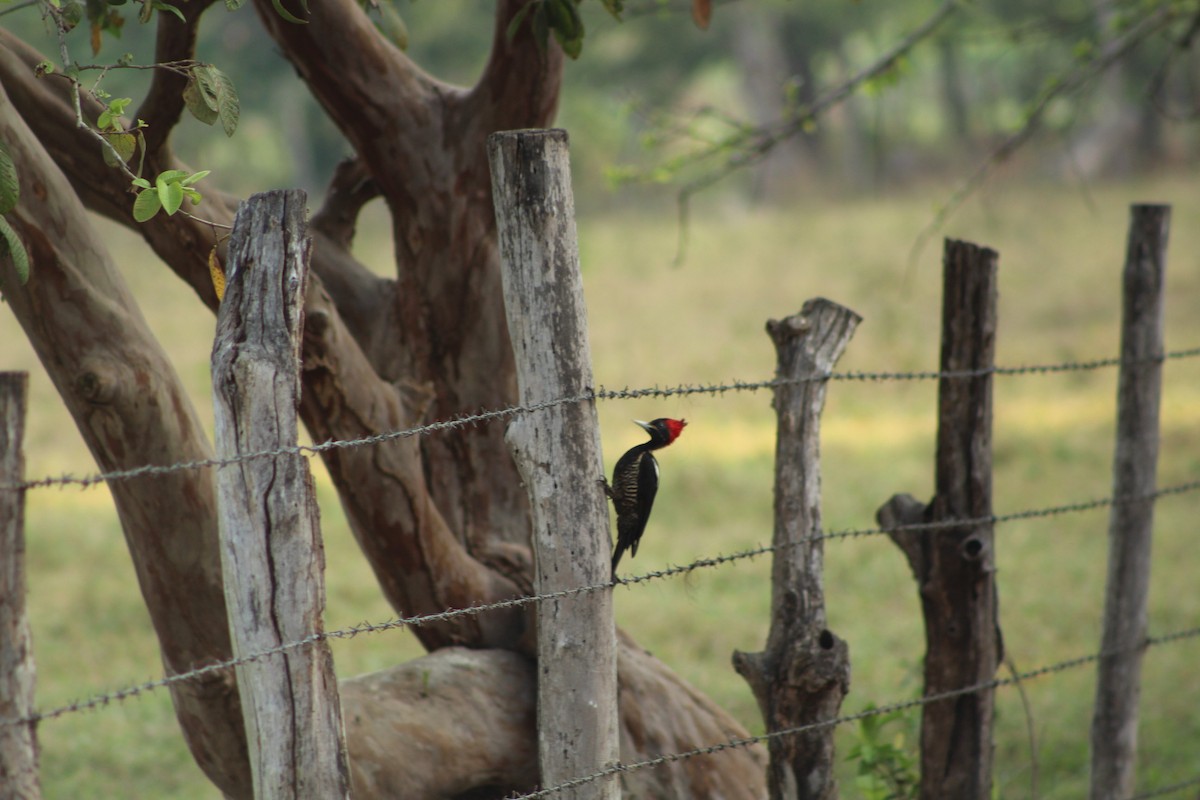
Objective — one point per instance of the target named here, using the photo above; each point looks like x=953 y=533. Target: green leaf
x=287 y=15
x=197 y=102
x=124 y=143
x=16 y=249
x=161 y=6
x=170 y=193
x=567 y=26
x=171 y=175
x=10 y=186
x=195 y=177
x=228 y=105
x=146 y=205
x=218 y=95
x=141 y=182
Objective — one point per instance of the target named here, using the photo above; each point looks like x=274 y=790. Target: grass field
x=1061 y=252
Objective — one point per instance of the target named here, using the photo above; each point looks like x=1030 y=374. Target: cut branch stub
x=804 y=673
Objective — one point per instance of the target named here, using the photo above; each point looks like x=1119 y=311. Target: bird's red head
x=663 y=430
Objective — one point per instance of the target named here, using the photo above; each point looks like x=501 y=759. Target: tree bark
x=131 y=409
x=1131 y=522
x=804 y=673
x=955 y=567
x=558 y=455
x=18 y=743
x=272 y=557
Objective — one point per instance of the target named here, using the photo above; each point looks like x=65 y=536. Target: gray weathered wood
x=1131 y=521
x=18 y=743
x=955 y=566
x=271 y=551
x=557 y=451
x=804 y=673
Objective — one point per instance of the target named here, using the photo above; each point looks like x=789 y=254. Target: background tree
x=443 y=520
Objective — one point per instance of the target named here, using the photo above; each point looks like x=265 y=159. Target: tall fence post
x=272 y=557
x=1131 y=521
x=557 y=451
x=955 y=566
x=18 y=743
x=804 y=673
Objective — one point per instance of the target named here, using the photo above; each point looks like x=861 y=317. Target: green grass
x=653 y=323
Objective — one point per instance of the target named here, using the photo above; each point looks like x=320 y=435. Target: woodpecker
x=635 y=482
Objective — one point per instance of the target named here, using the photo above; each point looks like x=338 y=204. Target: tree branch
x=131 y=409
x=163 y=104
x=1110 y=53
x=520 y=81
x=422 y=567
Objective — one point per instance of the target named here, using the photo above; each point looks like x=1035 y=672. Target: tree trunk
x=442 y=519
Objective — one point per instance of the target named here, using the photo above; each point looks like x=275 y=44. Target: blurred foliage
x=655 y=99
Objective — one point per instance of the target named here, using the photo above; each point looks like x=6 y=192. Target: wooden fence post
x=18 y=743
x=804 y=673
x=1131 y=521
x=557 y=451
x=272 y=557
x=955 y=566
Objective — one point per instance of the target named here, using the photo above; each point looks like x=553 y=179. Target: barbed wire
x=903 y=705
x=352 y=631
x=1172 y=788
x=465 y=420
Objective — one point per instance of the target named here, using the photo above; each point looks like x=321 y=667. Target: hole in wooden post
x=825 y=640
x=973 y=548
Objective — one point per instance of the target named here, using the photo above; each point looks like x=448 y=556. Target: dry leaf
x=702 y=13
x=218 y=274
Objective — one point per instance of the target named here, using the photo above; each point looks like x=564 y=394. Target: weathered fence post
x=955 y=566
x=1131 y=521
x=557 y=451
x=18 y=743
x=804 y=673
x=272 y=557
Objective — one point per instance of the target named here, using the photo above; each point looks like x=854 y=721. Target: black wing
x=647 y=488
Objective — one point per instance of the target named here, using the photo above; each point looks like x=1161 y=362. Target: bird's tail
x=620 y=551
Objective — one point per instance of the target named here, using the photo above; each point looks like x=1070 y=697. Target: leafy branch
x=209 y=95
x=748 y=144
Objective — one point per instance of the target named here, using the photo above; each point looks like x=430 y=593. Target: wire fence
x=117 y=696
x=126 y=693
x=601 y=393
x=902 y=705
